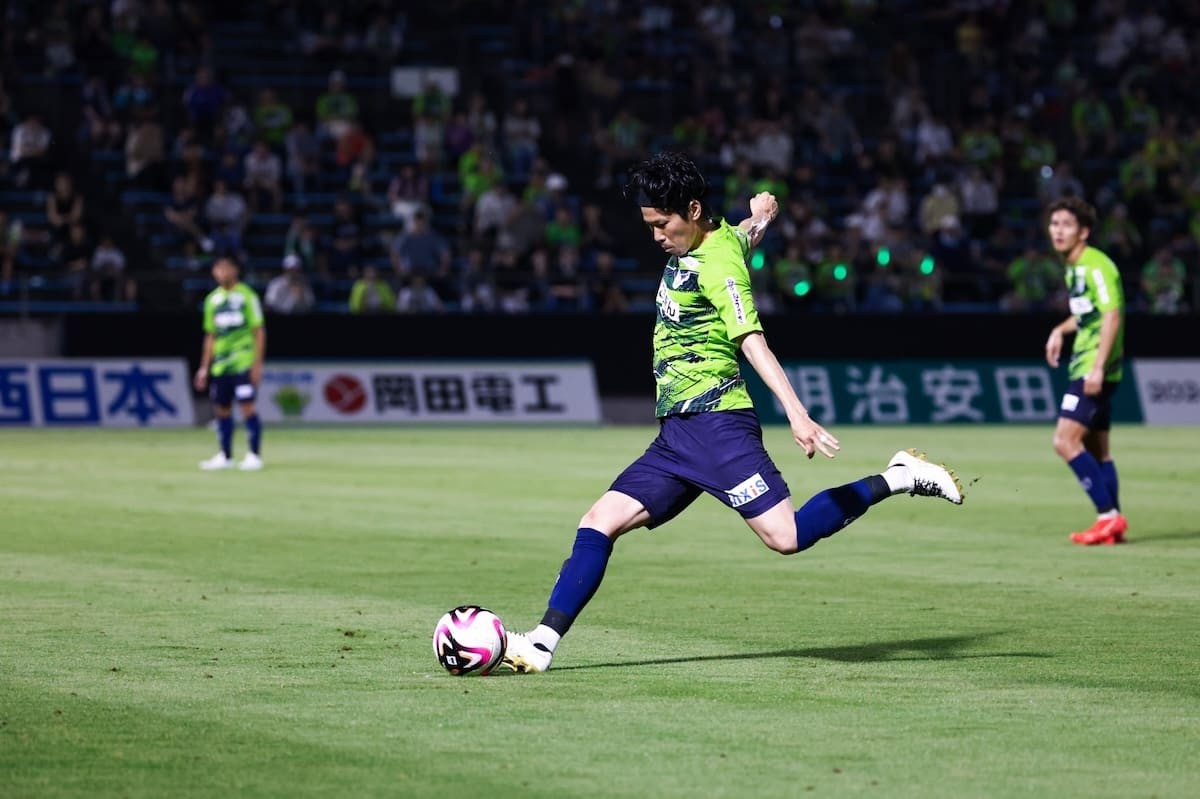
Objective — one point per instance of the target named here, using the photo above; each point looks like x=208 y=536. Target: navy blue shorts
x=1094 y=413
x=719 y=452
x=223 y=390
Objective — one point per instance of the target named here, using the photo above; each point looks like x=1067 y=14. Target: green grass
x=170 y=633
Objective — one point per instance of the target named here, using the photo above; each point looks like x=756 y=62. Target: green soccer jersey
x=704 y=307
x=232 y=316
x=1095 y=286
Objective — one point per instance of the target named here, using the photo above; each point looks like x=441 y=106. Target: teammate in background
x=710 y=437
x=231 y=363
x=1097 y=319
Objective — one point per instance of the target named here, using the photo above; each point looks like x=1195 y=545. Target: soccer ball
x=469 y=640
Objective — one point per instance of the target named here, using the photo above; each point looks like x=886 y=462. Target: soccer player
x=1097 y=320
x=710 y=438
x=231 y=363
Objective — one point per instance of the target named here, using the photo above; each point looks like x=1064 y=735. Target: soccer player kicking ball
x=1085 y=416
x=234 y=342
x=710 y=438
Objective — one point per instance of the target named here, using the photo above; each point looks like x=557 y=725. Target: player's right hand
x=1054 y=347
x=200 y=381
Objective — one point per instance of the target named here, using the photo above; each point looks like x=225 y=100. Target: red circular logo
x=345 y=394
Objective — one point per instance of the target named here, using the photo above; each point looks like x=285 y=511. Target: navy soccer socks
x=225 y=435
x=834 y=508
x=577 y=582
x=1091 y=477
x=1109 y=470
x=254 y=432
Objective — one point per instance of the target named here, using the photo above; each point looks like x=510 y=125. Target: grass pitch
x=172 y=633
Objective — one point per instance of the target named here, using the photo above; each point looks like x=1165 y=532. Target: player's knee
x=782 y=542
x=1065 y=445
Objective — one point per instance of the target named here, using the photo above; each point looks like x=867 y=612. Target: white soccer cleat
x=524 y=656
x=929 y=479
x=217 y=462
x=250 y=462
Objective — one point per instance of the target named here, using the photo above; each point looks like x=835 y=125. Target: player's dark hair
x=668 y=181
x=1083 y=212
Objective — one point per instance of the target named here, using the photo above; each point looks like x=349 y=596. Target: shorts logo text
x=749 y=489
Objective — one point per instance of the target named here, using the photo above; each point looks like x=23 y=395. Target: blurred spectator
x=477 y=292
x=331 y=39
x=263 y=178
x=10 y=240
x=370 y=294
x=1034 y=280
x=457 y=137
x=594 y=233
x=303 y=158
x=420 y=250
x=563 y=230
x=522 y=134
x=354 y=154
x=1093 y=125
x=109 y=282
x=980 y=203
x=417 y=296
x=1163 y=284
x=100 y=129
x=204 y=100
x=1059 y=182
x=481 y=120
x=384 y=37
x=605 y=293
x=76 y=259
x=183 y=213
x=135 y=98
x=29 y=154
x=936 y=206
x=1118 y=236
x=345 y=237
x=336 y=108
x=226 y=215
x=408 y=192
x=303 y=241
x=565 y=289
x=64 y=207
x=289 y=291
x=145 y=154
x=272 y=118
x=492 y=211
x=432 y=102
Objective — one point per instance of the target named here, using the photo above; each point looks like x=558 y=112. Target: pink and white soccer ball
x=469 y=640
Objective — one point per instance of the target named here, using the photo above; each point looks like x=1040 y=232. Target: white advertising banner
x=1169 y=390
x=417 y=391
x=102 y=392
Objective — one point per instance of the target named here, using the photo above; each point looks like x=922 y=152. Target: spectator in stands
x=492 y=211
x=1163 y=283
x=332 y=39
x=563 y=230
x=109 y=283
x=565 y=289
x=10 y=242
x=525 y=230
x=594 y=232
x=135 y=97
x=336 y=108
x=369 y=294
x=477 y=290
x=272 y=119
x=303 y=158
x=145 y=154
x=384 y=37
x=408 y=192
x=980 y=203
x=29 y=153
x=605 y=293
x=1059 y=182
x=936 y=206
x=1092 y=123
x=64 y=208
x=1118 y=236
x=100 y=129
x=183 y=214
x=204 y=100
x=232 y=170
x=264 y=178
x=289 y=291
x=226 y=215
x=456 y=137
x=303 y=241
x=354 y=154
x=345 y=237
x=417 y=296
x=420 y=250
x=432 y=101
x=522 y=134
x=1034 y=281
x=429 y=139
x=75 y=257
x=481 y=120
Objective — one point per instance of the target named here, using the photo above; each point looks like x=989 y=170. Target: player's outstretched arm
x=763 y=210
x=808 y=434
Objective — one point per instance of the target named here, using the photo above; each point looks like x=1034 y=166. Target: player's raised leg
x=788 y=531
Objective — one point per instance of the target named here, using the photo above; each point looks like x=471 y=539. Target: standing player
x=231 y=363
x=710 y=438
x=1097 y=320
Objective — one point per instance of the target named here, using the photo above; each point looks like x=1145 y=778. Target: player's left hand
x=1093 y=382
x=764 y=206
x=813 y=438
x=256 y=373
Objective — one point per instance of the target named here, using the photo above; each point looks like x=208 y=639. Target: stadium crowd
x=468 y=155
